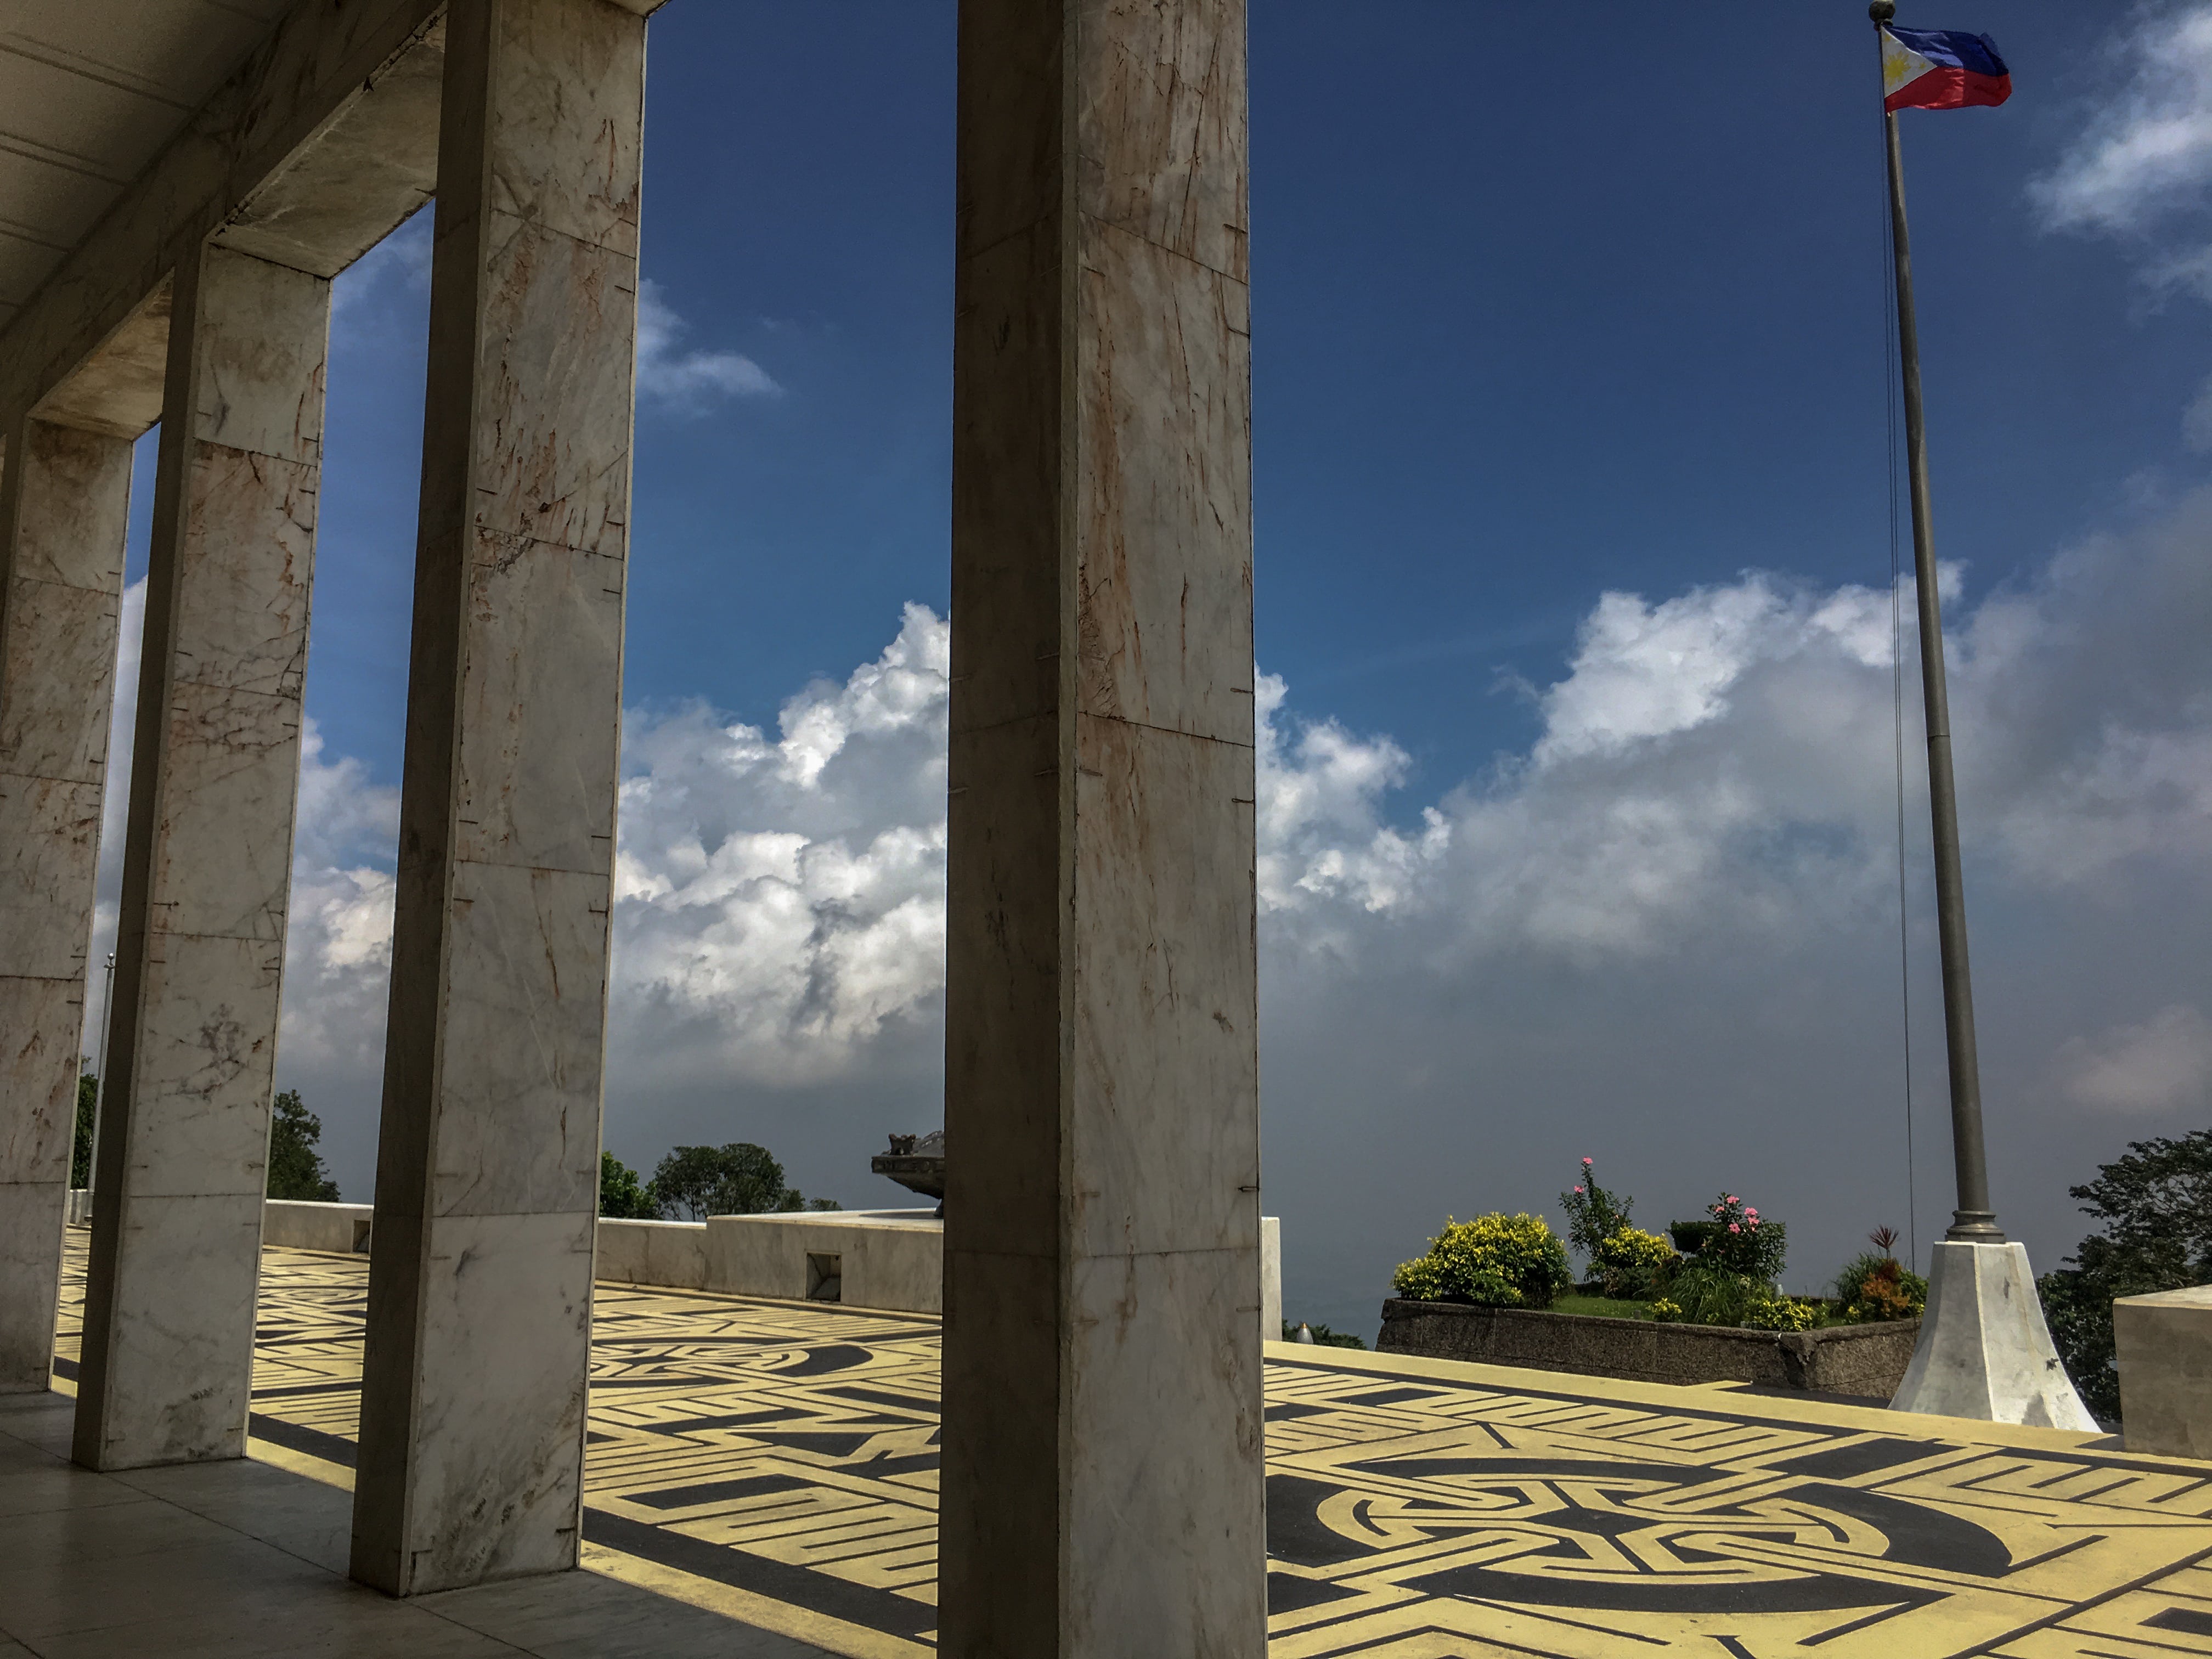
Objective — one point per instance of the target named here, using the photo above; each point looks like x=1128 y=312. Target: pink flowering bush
x=1743 y=1242
x=1625 y=1261
x=1733 y=1256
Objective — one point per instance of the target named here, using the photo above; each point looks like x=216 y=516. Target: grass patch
x=1609 y=1307
x=1603 y=1307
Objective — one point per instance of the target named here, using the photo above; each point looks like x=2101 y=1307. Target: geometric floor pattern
x=777 y=1461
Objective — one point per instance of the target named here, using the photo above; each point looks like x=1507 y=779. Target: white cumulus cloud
x=779 y=900
x=401 y=260
x=1666 y=930
x=688 y=381
x=670 y=376
x=2145 y=152
x=2162 y=1064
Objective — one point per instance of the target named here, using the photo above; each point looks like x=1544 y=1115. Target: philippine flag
x=1941 y=69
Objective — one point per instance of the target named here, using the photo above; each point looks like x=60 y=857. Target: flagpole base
x=1985 y=1352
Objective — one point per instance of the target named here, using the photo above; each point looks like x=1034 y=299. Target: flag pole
x=1972 y=1222
x=1984 y=1350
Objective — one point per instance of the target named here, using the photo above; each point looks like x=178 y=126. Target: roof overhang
x=131 y=131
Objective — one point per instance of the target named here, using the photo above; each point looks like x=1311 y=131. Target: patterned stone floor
x=777 y=1461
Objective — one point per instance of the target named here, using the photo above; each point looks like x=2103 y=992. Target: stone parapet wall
x=891 y=1259
x=672 y=1253
x=297 y=1225
x=1866 y=1360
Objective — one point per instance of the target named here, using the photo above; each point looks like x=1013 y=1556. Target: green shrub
x=1594 y=1214
x=1875 y=1286
x=1666 y=1312
x=1323 y=1336
x=1709 y=1294
x=1689 y=1237
x=2155 y=1202
x=1492 y=1261
x=1635 y=1264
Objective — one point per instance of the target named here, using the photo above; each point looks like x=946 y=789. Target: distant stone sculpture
x=916 y=1163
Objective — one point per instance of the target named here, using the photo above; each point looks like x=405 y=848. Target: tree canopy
x=87 y=1103
x=2155 y=1202
x=738 y=1179
x=295 y=1168
x=621 y=1194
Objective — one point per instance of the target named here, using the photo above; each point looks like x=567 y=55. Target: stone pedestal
x=1985 y=1352
x=182 y=1164
x=1103 y=1487
x=487 y=1181
x=64 y=498
x=2165 y=1348
x=1270 y=1278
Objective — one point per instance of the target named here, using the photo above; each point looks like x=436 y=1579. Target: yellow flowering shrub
x=1782 y=1313
x=1634 y=1263
x=1492 y=1261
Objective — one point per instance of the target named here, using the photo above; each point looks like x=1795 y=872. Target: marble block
x=2164 y=1347
x=167 y=1384
x=492 y=1444
x=30 y=1274
x=1985 y=1352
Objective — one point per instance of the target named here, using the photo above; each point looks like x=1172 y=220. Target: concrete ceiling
x=90 y=90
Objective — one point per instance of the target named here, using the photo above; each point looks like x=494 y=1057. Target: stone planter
x=1866 y=1360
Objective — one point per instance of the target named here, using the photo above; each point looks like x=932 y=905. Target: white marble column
x=182 y=1163
x=480 y=1289
x=64 y=497
x=1102 y=1484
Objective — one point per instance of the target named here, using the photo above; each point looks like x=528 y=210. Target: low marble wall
x=1865 y=1360
x=891 y=1259
x=888 y=1259
x=298 y=1224
x=668 y=1253
x=2164 y=1343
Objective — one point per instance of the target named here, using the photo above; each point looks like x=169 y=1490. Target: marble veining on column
x=64 y=501
x=474 y=1368
x=1102 y=1484
x=167 y=1362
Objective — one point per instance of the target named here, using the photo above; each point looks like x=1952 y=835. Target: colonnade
x=1102 y=1458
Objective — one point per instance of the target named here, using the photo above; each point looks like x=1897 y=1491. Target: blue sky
x=1515 y=342
x=1545 y=872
